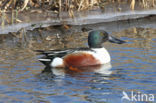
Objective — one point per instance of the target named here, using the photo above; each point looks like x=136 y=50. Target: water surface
x=132 y=68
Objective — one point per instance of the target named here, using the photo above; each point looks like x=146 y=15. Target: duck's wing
x=51 y=54
x=61 y=53
x=55 y=53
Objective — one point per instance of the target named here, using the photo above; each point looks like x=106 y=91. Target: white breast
x=102 y=55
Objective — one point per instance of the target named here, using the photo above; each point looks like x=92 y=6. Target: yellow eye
x=101 y=34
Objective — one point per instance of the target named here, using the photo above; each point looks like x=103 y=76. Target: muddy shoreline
x=36 y=18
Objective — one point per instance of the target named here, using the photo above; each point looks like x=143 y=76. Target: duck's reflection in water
x=100 y=69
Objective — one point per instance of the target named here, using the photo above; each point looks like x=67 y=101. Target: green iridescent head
x=97 y=37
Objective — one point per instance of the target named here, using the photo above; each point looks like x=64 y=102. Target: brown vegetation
x=64 y=5
x=57 y=6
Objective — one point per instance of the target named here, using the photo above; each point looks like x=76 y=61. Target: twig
x=25 y=4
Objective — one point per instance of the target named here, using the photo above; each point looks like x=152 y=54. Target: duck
x=94 y=54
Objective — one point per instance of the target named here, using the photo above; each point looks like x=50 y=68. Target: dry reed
x=64 y=5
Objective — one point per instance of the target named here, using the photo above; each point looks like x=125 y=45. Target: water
x=132 y=68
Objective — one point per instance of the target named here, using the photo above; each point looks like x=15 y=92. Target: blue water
x=132 y=68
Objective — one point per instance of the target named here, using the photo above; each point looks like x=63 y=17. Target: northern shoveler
x=80 y=57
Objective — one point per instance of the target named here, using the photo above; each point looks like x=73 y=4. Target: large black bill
x=115 y=40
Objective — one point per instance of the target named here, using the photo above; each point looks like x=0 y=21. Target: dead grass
x=64 y=5
x=58 y=6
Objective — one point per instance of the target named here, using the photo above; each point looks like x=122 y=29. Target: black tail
x=46 y=62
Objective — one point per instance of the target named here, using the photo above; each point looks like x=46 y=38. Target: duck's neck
x=95 y=46
x=98 y=48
